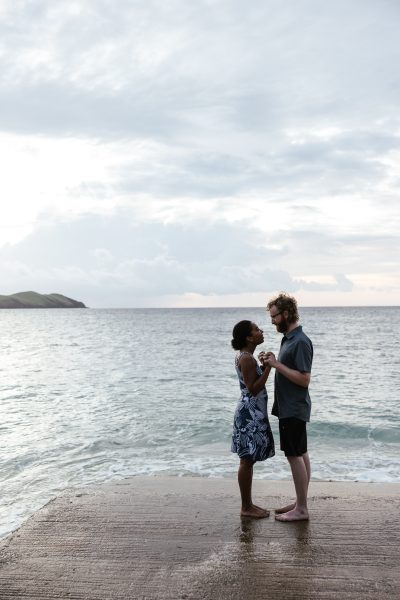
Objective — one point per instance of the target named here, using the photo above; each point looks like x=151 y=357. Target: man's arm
x=298 y=377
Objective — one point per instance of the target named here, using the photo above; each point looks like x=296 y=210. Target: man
x=292 y=403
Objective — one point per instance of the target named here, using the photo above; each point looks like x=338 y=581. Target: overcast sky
x=200 y=152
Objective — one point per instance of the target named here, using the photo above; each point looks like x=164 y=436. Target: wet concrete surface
x=182 y=538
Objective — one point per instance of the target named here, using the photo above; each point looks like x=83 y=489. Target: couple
x=252 y=437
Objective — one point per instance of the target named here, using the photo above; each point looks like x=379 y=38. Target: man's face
x=279 y=319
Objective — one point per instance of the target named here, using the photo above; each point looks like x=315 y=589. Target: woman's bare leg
x=245 y=480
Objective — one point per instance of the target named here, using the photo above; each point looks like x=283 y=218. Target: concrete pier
x=182 y=538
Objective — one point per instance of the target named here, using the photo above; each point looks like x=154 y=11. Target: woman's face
x=257 y=334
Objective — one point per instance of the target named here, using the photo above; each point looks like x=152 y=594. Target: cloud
x=119 y=261
x=181 y=69
x=140 y=259
x=340 y=283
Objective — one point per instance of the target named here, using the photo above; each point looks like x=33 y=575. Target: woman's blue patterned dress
x=252 y=436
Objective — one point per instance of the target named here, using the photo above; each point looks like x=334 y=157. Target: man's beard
x=283 y=325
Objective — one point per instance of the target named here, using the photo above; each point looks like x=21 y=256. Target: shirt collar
x=293 y=333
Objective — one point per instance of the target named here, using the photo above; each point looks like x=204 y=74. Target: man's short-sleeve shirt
x=292 y=400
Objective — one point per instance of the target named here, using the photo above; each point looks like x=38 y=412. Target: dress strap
x=239 y=356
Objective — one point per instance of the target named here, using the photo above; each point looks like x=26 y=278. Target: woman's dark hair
x=240 y=333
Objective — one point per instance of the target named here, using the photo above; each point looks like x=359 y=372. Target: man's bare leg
x=300 y=471
x=307 y=464
x=245 y=479
x=292 y=505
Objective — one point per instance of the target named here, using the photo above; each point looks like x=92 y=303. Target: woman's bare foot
x=285 y=509
x=254 y=512
x=264 y=510
x=293 y=515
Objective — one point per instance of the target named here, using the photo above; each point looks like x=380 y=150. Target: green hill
x=35 y=300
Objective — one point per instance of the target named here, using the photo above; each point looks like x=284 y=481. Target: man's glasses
x=275 y=315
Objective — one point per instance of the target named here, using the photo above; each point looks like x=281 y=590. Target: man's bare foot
x=285 y=509
x=293 y=515
x=255 y=512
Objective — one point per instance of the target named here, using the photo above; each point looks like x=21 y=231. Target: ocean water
x=89 y=396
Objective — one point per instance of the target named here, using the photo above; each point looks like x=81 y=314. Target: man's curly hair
x=285 y=302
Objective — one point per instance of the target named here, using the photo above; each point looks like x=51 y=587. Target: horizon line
x=236 y=307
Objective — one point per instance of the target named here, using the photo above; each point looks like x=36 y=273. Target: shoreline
x=182 y=537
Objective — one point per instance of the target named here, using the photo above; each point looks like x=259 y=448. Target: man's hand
x=270 y=360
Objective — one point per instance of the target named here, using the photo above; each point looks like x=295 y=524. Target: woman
x=252 y=437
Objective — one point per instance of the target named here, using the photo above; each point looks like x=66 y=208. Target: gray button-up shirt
x=290 y=399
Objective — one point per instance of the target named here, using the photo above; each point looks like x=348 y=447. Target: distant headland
x=35 y=300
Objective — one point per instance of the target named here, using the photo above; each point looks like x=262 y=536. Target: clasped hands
x=267 y=359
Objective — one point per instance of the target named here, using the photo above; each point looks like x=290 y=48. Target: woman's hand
x=262 y=357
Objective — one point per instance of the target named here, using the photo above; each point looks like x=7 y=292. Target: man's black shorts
x=293 y=436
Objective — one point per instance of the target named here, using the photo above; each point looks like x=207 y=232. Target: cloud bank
x=176 y=153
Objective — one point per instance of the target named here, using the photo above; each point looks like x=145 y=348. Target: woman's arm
x=253 y=382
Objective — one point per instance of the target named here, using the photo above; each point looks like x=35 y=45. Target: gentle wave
x=344 y=431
